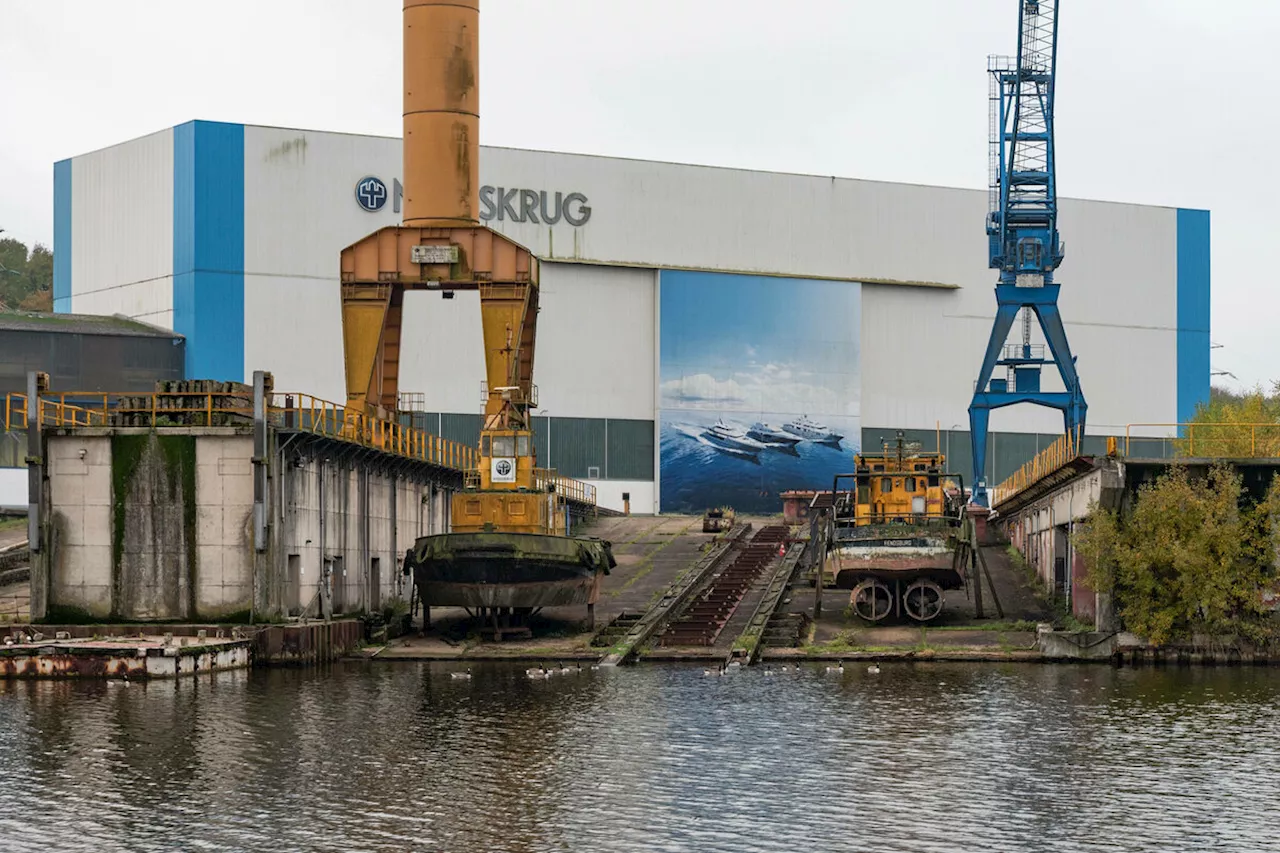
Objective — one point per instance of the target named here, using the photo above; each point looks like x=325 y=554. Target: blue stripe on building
x=1193 y=311
x=62 y=236
x=208 y=247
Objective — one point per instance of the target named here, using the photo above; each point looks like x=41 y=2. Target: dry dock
x=681 y=594
x=652 y=554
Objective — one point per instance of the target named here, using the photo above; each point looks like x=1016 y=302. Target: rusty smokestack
x=441 y=112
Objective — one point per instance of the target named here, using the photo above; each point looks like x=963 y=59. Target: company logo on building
x=500 y=204
x=537 y=206
x=371 y=193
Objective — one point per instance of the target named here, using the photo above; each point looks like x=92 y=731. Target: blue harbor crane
x=1022 y=230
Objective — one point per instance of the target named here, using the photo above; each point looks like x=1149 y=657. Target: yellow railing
x=566 y=487
x=305 y=413
x=299 y=412
x=1053 y=457
x=55 y=412
x=1204 y=441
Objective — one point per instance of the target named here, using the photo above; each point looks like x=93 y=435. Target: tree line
x=1197 y=555
x=26 y=277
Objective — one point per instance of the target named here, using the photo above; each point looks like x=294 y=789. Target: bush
x=1189 y=558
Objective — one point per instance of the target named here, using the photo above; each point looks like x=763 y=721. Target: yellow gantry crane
x=442 y=247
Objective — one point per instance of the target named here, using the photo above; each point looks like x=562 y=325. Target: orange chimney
x=441 y=113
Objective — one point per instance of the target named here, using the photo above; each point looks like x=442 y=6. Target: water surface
x=652 y=758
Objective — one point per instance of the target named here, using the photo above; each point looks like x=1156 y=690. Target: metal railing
x=1205 y=441
x=290 y=411
x=54 y=411
x=15 y=607
x=566 y=487
x=1065 y=449
x=304 y=413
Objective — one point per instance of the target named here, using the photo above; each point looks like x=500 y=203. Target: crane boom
x=1023 y=241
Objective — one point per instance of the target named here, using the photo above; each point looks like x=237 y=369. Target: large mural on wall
x=759 y=388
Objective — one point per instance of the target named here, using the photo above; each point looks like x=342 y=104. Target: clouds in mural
x=763 y=388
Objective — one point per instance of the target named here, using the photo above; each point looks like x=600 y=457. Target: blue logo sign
x=371 y=194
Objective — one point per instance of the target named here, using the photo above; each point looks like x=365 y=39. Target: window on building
x=522 y=445
x=886 y=485
x=911 y=484
x=504 y=445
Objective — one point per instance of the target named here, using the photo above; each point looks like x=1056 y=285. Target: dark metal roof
x=80 y=324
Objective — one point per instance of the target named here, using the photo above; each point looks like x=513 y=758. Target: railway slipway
x=674 y=599
x=721 y=612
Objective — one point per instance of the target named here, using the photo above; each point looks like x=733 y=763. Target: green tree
x=1190 y=557
x=1228 y=425
x=26 y=279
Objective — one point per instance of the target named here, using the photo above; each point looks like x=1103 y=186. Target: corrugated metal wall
x=122 y=230
x=88 y=362
x=585 y=448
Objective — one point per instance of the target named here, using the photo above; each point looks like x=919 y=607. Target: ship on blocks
x=508 y=554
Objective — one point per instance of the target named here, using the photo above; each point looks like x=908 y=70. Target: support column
x=41 y=558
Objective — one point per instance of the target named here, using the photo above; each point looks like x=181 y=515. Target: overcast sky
x=1169 y=102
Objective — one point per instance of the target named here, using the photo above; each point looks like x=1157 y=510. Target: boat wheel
x=872 y=600
x=922 y=600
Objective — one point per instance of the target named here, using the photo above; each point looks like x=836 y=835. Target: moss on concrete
x=177 y=453
x=63 y=614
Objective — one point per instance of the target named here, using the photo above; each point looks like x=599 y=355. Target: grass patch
x=12 y=522
x=1006 y=625
x=1061 y=617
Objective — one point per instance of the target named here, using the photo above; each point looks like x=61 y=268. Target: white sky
x=1157 y=99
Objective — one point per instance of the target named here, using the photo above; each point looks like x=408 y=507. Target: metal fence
x=1180 y=441
x=288 y=411
x=1205 y=441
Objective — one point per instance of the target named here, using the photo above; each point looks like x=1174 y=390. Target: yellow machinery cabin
x=507 y=492
x=900 y=485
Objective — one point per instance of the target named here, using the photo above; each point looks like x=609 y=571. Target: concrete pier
x=220 y=502
x=121 y=657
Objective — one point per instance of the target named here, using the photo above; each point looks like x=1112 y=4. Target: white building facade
x=672 y=296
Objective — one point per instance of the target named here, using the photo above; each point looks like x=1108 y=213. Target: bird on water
x=461 y=675
x=838 y=669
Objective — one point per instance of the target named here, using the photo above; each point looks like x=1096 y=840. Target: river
x=922 y=757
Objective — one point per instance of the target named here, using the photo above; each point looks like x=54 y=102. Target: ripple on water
x=393 y=757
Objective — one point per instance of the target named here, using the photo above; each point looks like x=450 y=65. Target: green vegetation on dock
x=1192 y=557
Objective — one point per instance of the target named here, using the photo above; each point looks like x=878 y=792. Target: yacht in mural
x=806 y=427
x=731 y=436
x=769 y=434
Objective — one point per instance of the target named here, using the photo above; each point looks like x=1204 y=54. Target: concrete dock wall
x=1041 y=531
x=159 y=526
x=347 y=524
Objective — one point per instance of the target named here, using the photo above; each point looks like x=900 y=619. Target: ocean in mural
x=759 y=388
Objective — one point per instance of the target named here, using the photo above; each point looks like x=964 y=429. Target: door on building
x=338 y=579
x=375 y=584
x=1061 y=571
x=293 y=591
